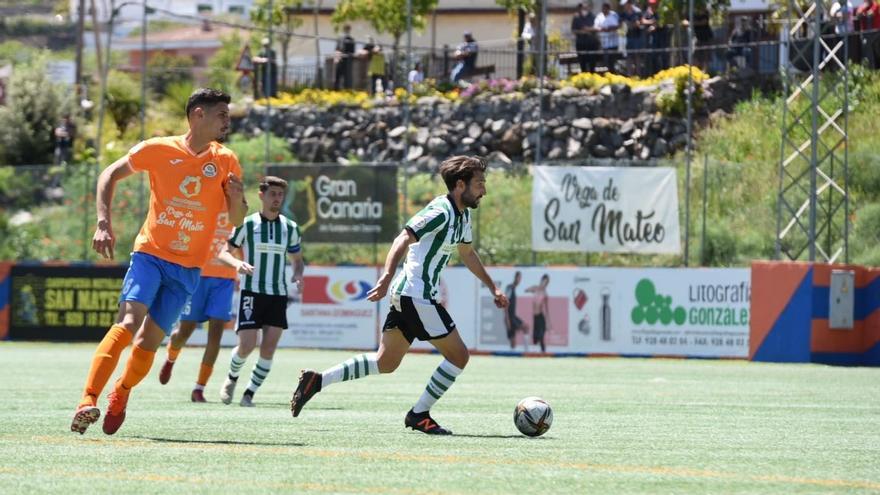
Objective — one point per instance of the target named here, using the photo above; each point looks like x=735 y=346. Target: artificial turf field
x=620 y=426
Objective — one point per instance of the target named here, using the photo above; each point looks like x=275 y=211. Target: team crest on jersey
x=420 y=223
x=209 y=170
x=191 y=186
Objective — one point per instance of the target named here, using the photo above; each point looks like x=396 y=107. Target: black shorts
x=515 y=325
x=256 y=310
x=419 y=319
x=540 y=326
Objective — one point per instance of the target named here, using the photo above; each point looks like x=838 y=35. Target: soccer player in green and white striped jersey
x=428 y=241
x=267 y=239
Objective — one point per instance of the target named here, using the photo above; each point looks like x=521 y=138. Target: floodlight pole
x=143 y=96
x=267 y=81
x=406 y=109
x=690 y=127
x=542 y=56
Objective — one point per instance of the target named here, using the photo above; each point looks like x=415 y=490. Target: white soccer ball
x=533 y=416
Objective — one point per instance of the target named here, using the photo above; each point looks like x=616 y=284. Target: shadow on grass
x=458 y=435
x=259 y=405
x=221 y=442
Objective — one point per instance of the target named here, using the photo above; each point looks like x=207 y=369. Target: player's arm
x=103 y=242
x=395 y=254
x=299 y=266
x=472 y=261
x=240 y=265
x=235 y=201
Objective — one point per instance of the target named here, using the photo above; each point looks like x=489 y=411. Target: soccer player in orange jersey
x=193 y=178
x=212 y=302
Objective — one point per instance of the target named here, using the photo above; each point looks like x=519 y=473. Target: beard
x=470 y=200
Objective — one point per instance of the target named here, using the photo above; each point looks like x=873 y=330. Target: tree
x=123 y=99
x=221 y=67
x=385 y=17
x=167 y=69
x=523 y=8
x=29 y=117
x=282 y=15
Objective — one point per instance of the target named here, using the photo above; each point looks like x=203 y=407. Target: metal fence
x=47 y=214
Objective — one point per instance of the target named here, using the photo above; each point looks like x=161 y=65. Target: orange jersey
x=186 y=196
x=214 y=267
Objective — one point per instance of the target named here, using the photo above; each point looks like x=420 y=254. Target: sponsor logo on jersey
x=209 y=170
x=191 y=186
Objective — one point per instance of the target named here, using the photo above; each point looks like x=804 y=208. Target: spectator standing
x=65 y=133
x=657 y=39
x=268 y=70
x=585 y=41
x=868 y=22
x=606 y=24
x=344 y=58
x=466 y=54
x=737 y=52
x=415 y=76
x=842 y=18
x=703 y=35
x=631 y=17
x=376 y=70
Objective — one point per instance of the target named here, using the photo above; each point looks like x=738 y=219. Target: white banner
x=692 y=312
x=333 y=311
x=605 y=209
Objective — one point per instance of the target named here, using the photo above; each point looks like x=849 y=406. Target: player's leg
x=212 y=350
x=139 y=288
x=217 y=310
x=274 y=319
x=393 y=346
x=104 y=361
x=441 y=332
x=271 y=336
x=178 y=339
x=178 y=284
x=146 y=342
x=456 y=357
x=248 y=326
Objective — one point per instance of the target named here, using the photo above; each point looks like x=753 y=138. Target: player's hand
x=299 y=283
x=381 y=288
x=501 y=301
x=234 y=189
x=245 y=268
x=103 y=242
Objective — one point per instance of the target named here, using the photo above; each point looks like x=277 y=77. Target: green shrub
x=165 y=70
x=30 y=115
x=123 y=99
x=251 y=154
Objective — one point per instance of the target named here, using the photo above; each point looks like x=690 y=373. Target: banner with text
x=605 y=209
x=63 y=302
x=700 y=312
x=336 y=203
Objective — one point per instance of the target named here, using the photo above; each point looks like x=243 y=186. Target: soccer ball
x=533 y=416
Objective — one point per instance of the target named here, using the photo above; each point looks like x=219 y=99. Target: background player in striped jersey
x=428 y=241
x=193 y=178
x=212 y=302
x=267 y=238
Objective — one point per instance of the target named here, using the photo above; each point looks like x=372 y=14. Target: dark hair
x=270 y=181
x=460 y=167
x=545 y=277
x=206 y=97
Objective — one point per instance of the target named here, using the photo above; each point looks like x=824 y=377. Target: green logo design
x=653 y=307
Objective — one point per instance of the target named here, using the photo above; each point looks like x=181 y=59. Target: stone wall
x=615 y=123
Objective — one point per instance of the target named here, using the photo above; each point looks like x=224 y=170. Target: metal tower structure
x=812 y=220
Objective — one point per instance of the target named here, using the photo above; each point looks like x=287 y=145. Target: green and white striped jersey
x=439 y=228
x=265 y=244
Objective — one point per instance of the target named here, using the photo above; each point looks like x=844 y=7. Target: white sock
x=351 y=369
x=259 y=373
x=199 y=387
x=236 y=363
x=443 y=378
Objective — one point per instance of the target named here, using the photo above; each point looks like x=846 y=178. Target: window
x=204 y=8
x=236 y=9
